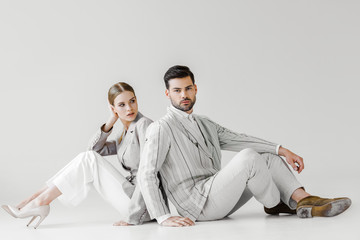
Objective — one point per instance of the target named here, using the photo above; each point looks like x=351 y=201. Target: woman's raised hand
x=113 y=114
x=112 y=119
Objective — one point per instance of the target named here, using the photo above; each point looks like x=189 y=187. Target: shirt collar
x=181 y=113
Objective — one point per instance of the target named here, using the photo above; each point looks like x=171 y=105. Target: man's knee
x=247 y=154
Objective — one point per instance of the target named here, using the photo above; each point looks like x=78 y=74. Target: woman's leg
x=72 y=184
x=32 y=197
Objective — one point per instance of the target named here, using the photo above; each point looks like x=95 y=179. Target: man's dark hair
x=177 y=72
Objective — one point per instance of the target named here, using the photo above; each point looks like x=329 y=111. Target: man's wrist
x=281 y=151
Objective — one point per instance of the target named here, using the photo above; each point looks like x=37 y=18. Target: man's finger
x=292 y=163
x=189 y=221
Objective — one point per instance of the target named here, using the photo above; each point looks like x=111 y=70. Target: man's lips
x=185 y=102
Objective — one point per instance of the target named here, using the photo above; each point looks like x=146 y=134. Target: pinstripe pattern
x=187 y=160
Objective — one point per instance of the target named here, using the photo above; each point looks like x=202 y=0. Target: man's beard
x=184 y=108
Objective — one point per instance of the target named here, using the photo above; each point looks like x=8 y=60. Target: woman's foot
x=35 y=195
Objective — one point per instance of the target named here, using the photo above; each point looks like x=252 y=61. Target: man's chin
x=183 y=108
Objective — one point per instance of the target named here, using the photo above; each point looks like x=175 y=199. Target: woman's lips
x=130 y=114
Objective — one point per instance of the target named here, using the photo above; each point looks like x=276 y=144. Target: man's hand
x=296 y=162
x=177 y=222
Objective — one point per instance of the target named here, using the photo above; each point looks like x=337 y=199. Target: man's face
x=182 y=93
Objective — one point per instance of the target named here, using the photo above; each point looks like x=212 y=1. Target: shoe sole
x=327 y=210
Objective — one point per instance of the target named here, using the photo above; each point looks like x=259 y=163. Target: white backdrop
x=285 y=71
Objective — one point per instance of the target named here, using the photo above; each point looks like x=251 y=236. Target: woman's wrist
x=109 y=124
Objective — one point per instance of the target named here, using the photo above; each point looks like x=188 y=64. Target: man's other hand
x=296 y=162
x=177 y=222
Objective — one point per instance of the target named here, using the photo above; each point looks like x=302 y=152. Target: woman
x=71 y=184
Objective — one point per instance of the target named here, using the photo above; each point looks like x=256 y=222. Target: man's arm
x=233 y=141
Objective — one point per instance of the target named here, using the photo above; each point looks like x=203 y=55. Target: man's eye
x=176 y=90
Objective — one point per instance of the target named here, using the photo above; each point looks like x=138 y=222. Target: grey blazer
x=128 y=150
x=187 y=161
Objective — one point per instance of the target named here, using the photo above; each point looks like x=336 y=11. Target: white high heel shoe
x=41 y=211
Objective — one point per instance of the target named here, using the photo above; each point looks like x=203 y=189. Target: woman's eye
x=132 y=101
x=121 y=105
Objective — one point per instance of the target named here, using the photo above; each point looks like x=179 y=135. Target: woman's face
x=125 y=106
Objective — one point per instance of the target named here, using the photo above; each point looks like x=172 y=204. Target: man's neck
x=181 y=112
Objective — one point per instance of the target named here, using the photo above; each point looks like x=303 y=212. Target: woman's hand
x=113 y=114
x=121 y=223
x=112 y=119
x=296 y=162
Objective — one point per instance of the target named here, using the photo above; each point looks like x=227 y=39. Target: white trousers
x=266 y=177
x=86 y=170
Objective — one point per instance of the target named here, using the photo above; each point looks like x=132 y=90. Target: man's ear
x=167 y=93
x=195 y=88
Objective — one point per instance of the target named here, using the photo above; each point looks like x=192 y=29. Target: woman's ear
x=112 y=107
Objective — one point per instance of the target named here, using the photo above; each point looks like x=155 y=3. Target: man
x=186 y=150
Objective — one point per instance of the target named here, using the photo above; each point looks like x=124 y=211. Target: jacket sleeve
x=157 y=144
x=234 y=141
x=99 y=144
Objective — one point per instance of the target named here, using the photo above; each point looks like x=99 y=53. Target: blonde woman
x=72 y=183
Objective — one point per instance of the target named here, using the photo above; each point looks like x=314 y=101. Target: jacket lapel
x=187 y=128
x=126 y=140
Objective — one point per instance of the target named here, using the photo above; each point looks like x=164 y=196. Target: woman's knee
x=87 y=156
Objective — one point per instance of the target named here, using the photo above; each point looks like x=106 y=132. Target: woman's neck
x=126 y=124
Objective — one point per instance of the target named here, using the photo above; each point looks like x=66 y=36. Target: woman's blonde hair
x=118 y=88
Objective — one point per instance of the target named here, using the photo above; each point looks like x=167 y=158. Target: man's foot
x=322 y=207
x=280 y=208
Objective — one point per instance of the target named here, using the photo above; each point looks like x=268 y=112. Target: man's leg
x=283 y=178
x=246 y=169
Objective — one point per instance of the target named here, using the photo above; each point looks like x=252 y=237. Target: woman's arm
x=98 y=143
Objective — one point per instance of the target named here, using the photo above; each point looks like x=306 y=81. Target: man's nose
x=183 y=94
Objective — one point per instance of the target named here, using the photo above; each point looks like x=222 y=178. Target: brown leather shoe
x=322 y=207
x=280 y=208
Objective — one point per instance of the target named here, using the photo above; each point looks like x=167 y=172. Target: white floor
x=93 y=220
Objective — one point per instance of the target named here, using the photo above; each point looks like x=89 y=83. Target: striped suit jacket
x=187 y=161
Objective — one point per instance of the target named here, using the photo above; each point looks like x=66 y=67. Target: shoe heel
x=304 y=212
x=41 y=219
x=33 y=218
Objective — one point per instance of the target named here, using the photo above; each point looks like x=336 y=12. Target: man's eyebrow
x=184 y=87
